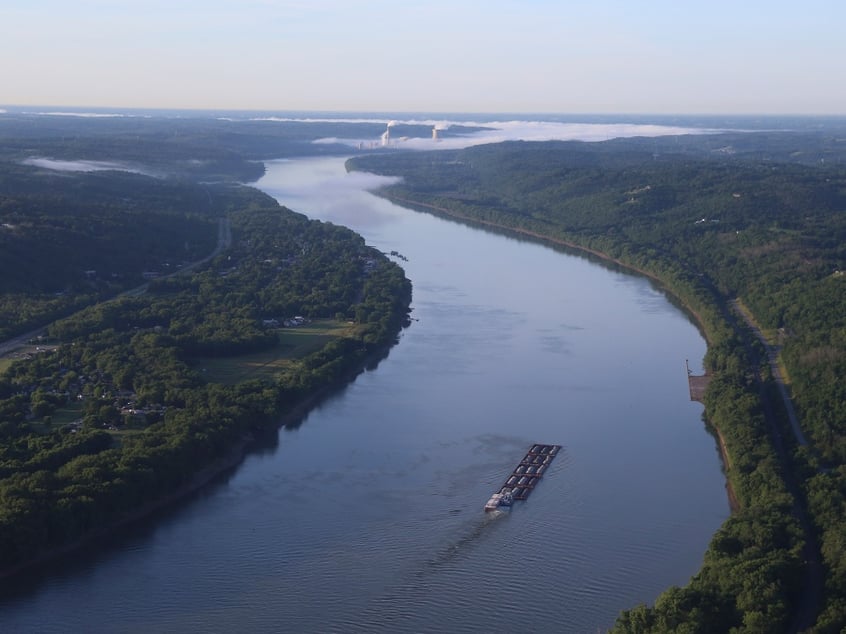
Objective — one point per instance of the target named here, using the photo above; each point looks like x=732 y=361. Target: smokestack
x=386 y=135
x=437 y=128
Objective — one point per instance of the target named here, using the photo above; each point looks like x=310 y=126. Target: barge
x=522 y=481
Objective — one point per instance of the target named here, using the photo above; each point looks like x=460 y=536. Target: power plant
x=386 y=135
x=436 y=130
x=385 y=138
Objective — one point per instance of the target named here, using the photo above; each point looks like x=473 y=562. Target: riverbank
x=200 y=479
x=725 y=458
x=788 y=575
x=383 y=482
x=731 y=494
x=519 y=231
x=205 y=476
x=62 y=485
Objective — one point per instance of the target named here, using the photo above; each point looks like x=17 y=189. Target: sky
x=483 y=56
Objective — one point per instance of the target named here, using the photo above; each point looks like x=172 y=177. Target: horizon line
x=535 y=113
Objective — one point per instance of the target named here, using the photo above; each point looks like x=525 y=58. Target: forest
x=112 y=412
x=66 y=242
x=112 y=409
x=187 y=144
x=71 y=238
x=755 y=217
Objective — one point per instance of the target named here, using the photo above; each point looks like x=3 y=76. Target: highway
x=775 y=370
x=224 y=241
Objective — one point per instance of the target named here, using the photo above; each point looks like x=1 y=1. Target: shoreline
x=301 y=409
x=294 y=415
x=194 y=483
x=733 y=501
x=541 y=238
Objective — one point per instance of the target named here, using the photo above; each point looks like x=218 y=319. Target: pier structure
x=697 y=384
x=522 y=481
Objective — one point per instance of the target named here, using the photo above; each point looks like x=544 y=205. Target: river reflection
x=368 y=516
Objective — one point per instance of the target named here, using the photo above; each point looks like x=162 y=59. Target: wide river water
x=368 y=516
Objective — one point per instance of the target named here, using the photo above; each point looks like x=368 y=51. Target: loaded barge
x=526 y=475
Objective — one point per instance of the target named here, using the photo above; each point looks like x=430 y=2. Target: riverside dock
x=522 y=481
x=696 y=384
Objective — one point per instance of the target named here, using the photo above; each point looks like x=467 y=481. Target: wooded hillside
x=113 y=410
x=759 y=218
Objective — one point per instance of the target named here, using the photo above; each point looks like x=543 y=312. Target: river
x=368 y=515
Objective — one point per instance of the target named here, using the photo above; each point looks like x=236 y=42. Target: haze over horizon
x=494 y=56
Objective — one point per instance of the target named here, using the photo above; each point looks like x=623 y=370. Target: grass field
x=61 y=417
x=294 y=344
x=68 y=413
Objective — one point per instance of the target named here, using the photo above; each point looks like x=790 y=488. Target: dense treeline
x=187 y=145
x=713 y=218
x=67 y=240
x=149 y=420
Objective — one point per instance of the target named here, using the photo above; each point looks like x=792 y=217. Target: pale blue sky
x=564 y=56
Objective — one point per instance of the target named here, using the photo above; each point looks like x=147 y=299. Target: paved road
x=813 y=580
x=772 y=358
x=18 y=342
x=224 y=241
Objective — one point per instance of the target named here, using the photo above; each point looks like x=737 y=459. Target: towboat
x=499 y=499
x=493 y=503
x=525 y=476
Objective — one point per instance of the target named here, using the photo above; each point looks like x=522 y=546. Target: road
x=224 y=241
x=775 y=370
x=18 y=342
x=813 y=580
